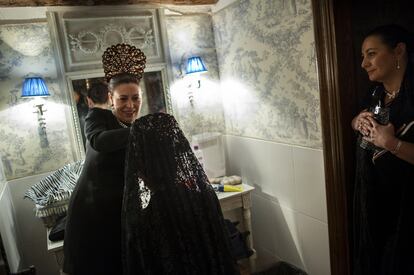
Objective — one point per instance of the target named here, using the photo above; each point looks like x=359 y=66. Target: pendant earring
x=398 y=64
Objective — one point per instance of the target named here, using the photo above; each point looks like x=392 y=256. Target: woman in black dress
x=93 y=231
x=384 y=189
x=171 y=217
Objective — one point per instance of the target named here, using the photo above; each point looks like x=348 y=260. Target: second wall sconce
x=195 y=66
x=34 y=87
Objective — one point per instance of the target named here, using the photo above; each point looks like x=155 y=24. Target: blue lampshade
x=34 y=86
x=195 y=65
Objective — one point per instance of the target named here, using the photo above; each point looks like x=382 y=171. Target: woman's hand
x=384 y=136
x=380 y=135
x=361 y=122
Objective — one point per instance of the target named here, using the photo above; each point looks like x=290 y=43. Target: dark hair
x=393 y=34
x=123 y=78
x=98 y=93
x=79 y=88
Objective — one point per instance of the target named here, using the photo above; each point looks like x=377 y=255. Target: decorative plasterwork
x=91 y=42
x=84 y=35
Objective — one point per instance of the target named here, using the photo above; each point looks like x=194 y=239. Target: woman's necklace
x=392 y=95
x=122 y=124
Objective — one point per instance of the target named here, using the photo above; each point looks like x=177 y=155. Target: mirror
x=155 y=98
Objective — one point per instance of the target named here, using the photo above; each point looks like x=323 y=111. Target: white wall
x=289 y=205
x=9 y=228
x=269 y=85
x=31 y=232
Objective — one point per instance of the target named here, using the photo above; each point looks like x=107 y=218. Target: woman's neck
x=393 y=85
x=128 y=123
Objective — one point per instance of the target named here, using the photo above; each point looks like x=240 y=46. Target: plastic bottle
x=227 y=188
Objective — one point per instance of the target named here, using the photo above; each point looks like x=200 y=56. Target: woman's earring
x=398 y=64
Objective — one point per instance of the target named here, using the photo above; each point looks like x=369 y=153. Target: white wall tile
x=275 y=229
x=265 y=259
x=289 y=204
x=315 y=245
x=310 y=182
x=266 y=165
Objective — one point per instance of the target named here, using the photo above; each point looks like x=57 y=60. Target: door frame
x=335 y=61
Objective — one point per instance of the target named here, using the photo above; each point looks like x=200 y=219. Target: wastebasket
x=211 y=145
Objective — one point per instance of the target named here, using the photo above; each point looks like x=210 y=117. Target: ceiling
x=36 y=3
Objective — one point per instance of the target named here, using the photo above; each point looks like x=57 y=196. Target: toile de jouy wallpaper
x=25 y=50
x=191 y=35
x=268 y=74
x=261 y=81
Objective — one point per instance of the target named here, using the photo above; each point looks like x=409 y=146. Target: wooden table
x=241 y=201
x=228 y=201
x=56 y=248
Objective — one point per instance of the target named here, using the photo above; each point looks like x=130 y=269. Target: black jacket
x=93 y=231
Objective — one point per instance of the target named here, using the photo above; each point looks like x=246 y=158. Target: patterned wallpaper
x=268 y=71
x=25 y=50
x=264 y=84
x=193 y=35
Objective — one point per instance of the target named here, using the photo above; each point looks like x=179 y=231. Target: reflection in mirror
x=153 y=99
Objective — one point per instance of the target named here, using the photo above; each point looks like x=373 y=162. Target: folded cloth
x=231 y=180
x=215 y=180
x=51 y=195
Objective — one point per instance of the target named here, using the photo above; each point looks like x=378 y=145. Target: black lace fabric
x=172 y=221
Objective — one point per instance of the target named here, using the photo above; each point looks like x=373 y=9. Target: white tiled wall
x=31 y=231
x=289 y=204
x=314 y=244
x=309 y=183
x=9 y=229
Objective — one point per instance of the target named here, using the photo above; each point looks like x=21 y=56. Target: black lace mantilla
x=171 y=217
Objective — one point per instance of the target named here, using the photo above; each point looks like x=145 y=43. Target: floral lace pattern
x=171 y=218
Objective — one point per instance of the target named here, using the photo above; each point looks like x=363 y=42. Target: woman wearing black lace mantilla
x=171 y=217
x=93 y=231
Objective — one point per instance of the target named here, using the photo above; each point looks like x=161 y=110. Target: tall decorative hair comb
x=123 y=58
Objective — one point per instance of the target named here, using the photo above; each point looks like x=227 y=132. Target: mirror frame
x=73 y=118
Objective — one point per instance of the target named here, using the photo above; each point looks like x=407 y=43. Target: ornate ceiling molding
x=90 y=42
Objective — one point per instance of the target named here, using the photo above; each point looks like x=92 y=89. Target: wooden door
x=339 y=30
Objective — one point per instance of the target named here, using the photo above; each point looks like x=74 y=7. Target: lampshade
x=34 y=86
x=195 y=65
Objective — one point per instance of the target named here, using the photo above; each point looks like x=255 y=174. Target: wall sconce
x=34 y=87
x=195 y=66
